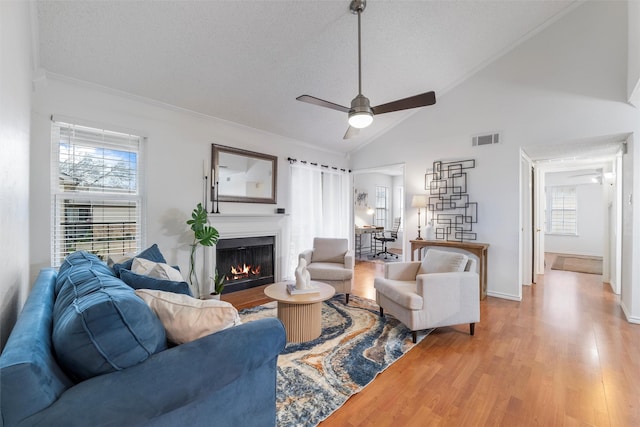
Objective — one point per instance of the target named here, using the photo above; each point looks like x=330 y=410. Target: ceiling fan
x=361 y=113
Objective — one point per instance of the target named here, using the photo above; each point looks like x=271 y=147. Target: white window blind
x=96 y=192
x=562 y=210
x=382 y=206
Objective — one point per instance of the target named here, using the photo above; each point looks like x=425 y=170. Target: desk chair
x=384 y=239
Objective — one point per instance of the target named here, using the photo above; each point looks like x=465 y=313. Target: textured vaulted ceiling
x=247 y=61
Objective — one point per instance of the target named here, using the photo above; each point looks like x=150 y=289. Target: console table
x=478 y=249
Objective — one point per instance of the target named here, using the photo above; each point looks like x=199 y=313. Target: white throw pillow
x=436 y=261
x=156 y=270
x=186 y=318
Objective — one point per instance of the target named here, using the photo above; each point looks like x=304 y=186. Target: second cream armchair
x=330 y=261
x=442 y=290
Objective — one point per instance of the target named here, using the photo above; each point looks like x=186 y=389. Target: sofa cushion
x=329 y=250
x=158 y=270
x=436 y=261
x=187 y=319
x=107 y=330
x=329 y=271
x=140 y=281
x=81 y=266
x=152 y=253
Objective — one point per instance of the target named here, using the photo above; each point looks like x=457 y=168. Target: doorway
x=379 y=196
x=591 y=171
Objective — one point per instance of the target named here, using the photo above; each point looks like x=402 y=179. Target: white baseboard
x=630 y=319
x=504 y=296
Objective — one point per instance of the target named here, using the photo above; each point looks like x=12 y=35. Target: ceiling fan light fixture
x=360 y=115
x=360 y=120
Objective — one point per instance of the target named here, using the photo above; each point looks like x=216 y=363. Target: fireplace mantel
x=232 y=226
x=235 y=223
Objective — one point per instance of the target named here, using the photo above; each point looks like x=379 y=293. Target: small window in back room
x=95 y=190
x=382 y=206
x=562 y=210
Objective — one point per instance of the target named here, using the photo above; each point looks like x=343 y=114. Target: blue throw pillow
x=72 y=289
x=152 y=253
x=78 y=264
x=105 y=331
x=139 y=281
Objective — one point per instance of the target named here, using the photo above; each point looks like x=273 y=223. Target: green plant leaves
x=204 y=234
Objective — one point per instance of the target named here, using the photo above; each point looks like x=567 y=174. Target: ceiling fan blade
x=422 y=100
x=351 y=132
x=322 y=103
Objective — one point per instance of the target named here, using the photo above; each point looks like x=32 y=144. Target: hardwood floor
x=563 y=356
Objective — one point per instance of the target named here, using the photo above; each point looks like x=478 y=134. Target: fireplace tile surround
x=232 y=226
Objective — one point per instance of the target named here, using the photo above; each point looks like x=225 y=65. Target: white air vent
x=487 y=139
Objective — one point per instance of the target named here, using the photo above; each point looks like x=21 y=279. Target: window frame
x=101 y=198
x=384 y=209
x=568 y=194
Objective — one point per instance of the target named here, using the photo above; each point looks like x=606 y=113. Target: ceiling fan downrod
x=357 y=7
x=360 y=115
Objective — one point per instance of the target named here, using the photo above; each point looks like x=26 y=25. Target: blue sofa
x=224 y=379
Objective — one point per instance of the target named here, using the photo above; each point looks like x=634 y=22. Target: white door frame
x=526 y=220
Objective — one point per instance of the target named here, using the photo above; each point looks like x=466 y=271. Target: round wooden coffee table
x=300 y=314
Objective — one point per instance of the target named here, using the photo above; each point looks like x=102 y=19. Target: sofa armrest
x=306 y=255
x=401 y=270
x=349 y=260
x=168 y=380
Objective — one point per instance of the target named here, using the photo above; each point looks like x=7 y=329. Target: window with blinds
x=562 y=207
x=382 y=206
x=96 y=192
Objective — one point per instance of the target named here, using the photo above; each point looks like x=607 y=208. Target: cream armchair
x=330 y=261
x=442 y=290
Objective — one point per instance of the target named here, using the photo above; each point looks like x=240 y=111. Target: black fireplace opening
x=245 y=262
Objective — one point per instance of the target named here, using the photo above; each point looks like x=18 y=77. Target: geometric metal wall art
x=452 y=214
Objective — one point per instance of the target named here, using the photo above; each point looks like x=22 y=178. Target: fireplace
x=245 y=262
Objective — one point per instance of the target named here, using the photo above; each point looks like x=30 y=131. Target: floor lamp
x=419 y=201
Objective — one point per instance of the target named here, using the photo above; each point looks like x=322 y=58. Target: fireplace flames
x=244 y=272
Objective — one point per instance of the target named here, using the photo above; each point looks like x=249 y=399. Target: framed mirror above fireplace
x=244 y=176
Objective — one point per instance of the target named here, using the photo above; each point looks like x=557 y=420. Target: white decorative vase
x=429 y=232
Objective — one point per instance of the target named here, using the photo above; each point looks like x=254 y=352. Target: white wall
x=15 y=105
x=566 y=83
x=633 y=48
x=177 y=144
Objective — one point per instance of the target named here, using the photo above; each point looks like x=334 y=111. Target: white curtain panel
x=319 y=208
x=335 y=205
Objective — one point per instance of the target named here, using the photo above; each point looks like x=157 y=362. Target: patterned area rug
x=316 y=377
x=579 y=264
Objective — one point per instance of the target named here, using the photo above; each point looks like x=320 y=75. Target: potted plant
x=203 y=234
x=218 y=285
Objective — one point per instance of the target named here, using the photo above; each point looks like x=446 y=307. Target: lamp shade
x=419 y=201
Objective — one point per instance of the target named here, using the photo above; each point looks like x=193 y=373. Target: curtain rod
x=292 y=160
